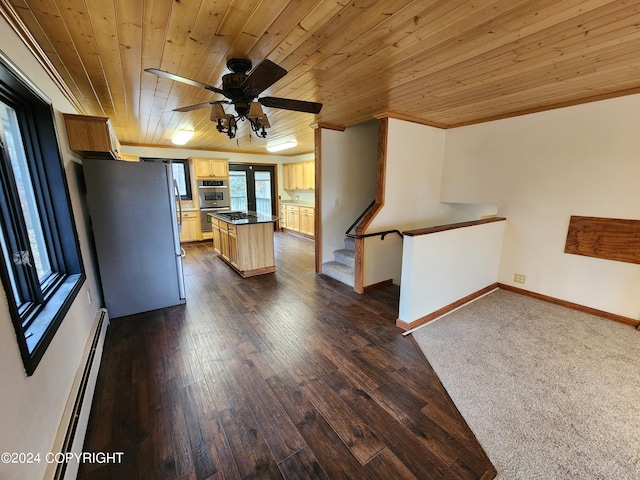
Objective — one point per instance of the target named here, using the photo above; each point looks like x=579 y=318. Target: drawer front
x=231 y=227
x=189 y=214
x=307 y=210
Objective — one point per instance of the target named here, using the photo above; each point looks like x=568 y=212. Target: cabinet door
x=283 y=216
x=219 y=168
x=215 y=231
x=189 y=231
x=286 y=177
x=293 y=218
x=202 y=168
x=224 y=240
x=309 y=177
x=233 y=250
x=211 y=168
x=298 y=176
x=307 y=221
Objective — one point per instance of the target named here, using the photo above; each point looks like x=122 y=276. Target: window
x=180 y=169
x=41 y=269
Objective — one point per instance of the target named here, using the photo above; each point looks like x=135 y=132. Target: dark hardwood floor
x=286 y=375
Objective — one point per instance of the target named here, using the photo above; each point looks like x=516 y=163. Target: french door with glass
x=252 y=188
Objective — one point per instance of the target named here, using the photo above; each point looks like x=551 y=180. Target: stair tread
x=340 y=266
x=345 y=251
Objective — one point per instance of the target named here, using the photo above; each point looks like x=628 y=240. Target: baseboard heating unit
x=73 y=427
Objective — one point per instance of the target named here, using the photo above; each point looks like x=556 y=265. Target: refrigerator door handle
x=179 y=200
x=183 y=254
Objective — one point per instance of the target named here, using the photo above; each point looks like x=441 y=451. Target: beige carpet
x=550 y=393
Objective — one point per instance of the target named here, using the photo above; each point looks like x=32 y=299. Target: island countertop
x=243 y=217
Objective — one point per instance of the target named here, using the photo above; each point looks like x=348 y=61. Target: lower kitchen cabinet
x=190 y=227
x=307 y=221
x=248 y=248
x=293 y=217
x=299 y=219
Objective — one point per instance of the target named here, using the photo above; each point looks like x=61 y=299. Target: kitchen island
x=244 y=240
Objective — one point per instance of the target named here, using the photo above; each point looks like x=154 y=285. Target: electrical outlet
x=519 y=278
x=336 y=202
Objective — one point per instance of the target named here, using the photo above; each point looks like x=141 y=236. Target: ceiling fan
x=242 y=89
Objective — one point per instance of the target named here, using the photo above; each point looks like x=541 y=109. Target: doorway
x=253 y=188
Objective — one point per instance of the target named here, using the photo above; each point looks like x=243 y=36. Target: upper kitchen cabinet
x=92 y=136
x=299 y=176
x=211 y=167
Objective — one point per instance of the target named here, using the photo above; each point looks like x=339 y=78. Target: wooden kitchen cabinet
x=211 y=167
x=309 y=175
x=215 y=235
x=92 y=136
x=248 y=248
x=299 y=176
x=293 y=218
x=299 y=219
x=307 y=221
x=190 y=227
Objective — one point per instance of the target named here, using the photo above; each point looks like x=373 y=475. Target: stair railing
x=365 y=235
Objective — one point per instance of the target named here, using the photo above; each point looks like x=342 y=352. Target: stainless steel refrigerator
x=132 y=206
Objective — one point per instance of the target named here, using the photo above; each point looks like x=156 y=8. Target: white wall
x=415 y=156
x=542 y=168
x=348 y=180
x=31 y=407
x=441 y=268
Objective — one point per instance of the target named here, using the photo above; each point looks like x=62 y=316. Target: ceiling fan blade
x=199 y=105
x=188 y=81
x=262 y=77
x=288 y=104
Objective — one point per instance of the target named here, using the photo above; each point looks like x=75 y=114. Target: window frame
x=187 y=172
x=37 y=319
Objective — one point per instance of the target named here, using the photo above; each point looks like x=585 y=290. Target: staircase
x=343 y=266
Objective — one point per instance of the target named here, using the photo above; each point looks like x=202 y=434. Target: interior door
x=252 y=188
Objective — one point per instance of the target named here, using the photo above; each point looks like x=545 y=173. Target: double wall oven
x=213 y=196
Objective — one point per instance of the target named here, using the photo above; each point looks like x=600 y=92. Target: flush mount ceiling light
x=242 y=87
x=182 y=136
x=278 y=147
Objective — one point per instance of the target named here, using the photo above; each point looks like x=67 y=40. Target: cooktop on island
x=238 y=215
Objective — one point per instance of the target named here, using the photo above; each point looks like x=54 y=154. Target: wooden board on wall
x=607 y=238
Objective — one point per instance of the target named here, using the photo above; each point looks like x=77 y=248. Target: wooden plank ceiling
x=444 y=63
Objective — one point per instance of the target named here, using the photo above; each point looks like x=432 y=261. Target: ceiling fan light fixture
x=278 y=147
x=182 y=136
x=217 y=113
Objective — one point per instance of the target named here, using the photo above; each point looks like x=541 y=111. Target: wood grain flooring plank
x=193 y=401
x=332 y=454
x=249 y=448
x=179 y=432
x=302 y=464
x=354 y=432
x=276 y=427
